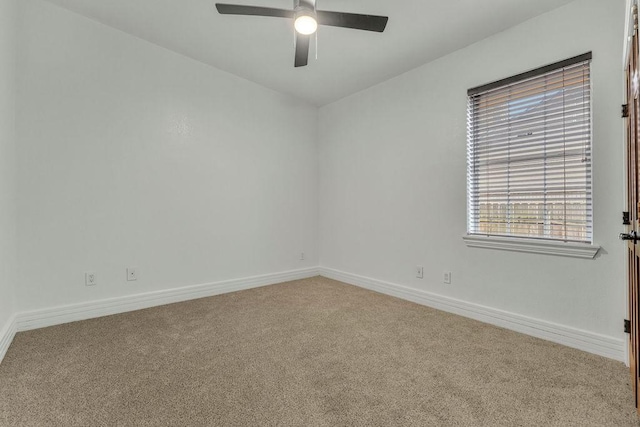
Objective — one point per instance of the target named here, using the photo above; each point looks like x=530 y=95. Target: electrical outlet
x=419 y=272
x=301 y=256
x=132 y=274
x=446 y=278
x=90 y=279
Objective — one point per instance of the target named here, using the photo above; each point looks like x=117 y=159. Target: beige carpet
x=313 y=352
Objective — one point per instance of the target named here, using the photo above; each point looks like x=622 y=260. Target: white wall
x=131 y=155
x=393 y=177
x=7 y=160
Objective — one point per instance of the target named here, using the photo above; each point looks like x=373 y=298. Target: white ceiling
x=261 y=49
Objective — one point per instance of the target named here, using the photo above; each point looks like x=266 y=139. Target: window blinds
x=529 y=154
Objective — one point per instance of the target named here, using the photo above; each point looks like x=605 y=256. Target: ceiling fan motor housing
x=303 y=11
x=304 y=4
x=304 y=8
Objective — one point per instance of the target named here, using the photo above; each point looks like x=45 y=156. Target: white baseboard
x=7 y=333
x=70 y=313
x=602 y=345
x=594 y=343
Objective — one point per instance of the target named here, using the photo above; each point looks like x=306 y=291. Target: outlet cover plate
x=90 y=279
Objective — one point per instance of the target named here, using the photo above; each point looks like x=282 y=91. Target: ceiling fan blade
x=302 y=50
x=352 y=20
x=238 y=9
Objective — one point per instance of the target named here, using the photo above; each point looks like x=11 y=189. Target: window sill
x=534 y=246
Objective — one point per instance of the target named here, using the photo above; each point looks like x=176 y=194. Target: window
x=529 y=155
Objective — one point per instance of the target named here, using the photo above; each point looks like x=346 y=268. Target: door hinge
x=625 y=218
x=625 y=111
x=627 y=326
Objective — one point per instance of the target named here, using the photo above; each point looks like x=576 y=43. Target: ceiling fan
x=306 y=20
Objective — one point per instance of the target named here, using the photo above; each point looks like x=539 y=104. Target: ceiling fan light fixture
x=305 y=22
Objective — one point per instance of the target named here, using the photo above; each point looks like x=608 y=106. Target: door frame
x=629 y=31
x=631 y=67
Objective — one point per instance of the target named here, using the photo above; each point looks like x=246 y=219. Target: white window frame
x=537 y=244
